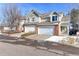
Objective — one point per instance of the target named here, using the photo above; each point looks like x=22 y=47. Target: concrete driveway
x=38 y=37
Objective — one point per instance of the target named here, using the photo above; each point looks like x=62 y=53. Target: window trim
x=54 y=19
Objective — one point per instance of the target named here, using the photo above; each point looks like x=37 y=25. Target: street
x=7 y=49
x=20 y=50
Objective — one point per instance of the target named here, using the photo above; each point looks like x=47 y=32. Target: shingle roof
x=65 y=18
x=42 y=23
x=48 y=23
x=33 y=11
x=43 y=15
x=33 y=23
x=49 y=13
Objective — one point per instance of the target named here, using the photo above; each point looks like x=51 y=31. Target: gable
x=33 y=13
x=33 y=16
x=65 y=19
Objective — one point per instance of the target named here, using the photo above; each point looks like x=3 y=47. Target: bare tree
x=74 y=15
x=75 y=18
x=11 y=15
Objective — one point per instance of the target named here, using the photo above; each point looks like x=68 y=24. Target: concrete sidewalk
x=14 y=35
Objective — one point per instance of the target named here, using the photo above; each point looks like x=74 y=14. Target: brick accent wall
x=19 y=29
x=56 y=30
x=36 y=29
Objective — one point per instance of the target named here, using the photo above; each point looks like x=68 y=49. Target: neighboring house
x=51 y=23
x=65 y=25
x=1 y=29
x=32 y=19
x=5 y=28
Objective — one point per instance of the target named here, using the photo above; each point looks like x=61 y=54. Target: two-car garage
x=43 y=29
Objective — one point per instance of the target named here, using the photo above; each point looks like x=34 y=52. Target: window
x=54 y=18
x=33 y=19
x=63 y=29
x=47 y=19
x=28 y=19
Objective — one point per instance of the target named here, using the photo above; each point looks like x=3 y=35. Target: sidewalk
x=14 y=35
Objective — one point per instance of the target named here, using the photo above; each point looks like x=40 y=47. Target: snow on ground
x=59 y=38
x=55 y=38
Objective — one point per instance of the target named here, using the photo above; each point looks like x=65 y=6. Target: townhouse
x=51 y=23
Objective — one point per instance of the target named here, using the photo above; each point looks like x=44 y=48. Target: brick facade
x=36 y=29
x=19 y=29
x=56 y=30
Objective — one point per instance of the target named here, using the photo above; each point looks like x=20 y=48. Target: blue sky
x=46 y=7
x=43 y=7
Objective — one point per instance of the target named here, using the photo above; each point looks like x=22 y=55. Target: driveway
x=38 y=37
x=13 y=35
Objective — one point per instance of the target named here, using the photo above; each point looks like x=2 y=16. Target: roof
x=43 y=15
x=4 y=25
x=42 y=23
x=36 y=12
x=35 y=23
x=33 y=11
x=1 y=27
x=48 y=23
x=65 y=18
x=49 y=13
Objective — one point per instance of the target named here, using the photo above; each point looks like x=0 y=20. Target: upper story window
x=54 y=18
x=47 y=19
x=28 y=19
x=33 y=19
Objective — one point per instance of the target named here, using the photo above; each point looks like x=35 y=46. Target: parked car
x=73 y=32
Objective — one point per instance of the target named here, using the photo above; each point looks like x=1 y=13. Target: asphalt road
x=7 y=48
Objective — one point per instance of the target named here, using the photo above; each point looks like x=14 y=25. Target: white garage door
x=29 y=29
x=46 y=30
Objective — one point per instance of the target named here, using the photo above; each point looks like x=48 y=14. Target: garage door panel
x=45 y=30
x=29 y=28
